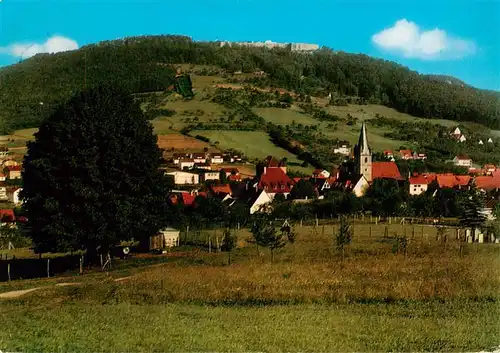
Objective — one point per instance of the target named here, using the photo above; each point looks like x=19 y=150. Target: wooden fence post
x=209 y=244
x=48 y=268
x=301 y=223
x=81 y=264
x=323 y=230
x=8 y=271
x=370 y=231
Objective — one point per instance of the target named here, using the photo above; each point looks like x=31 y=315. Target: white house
x=462 y=138
x=182 y=178
x=199 y=157
x=210 y=175
x=457 y=132
x=490 y=140
x=3 y=191
x=186 y=163
x=343 y=149
x=216 y=159
x=170 y=237
x=2 y=176
x=321 y=174
x=418 y=184
x=361 y=186
x=480 y=142
x=462 y=161
x=13 y=196
x=261 y=202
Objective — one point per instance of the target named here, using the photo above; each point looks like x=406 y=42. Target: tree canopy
x=91 y=176
x=140 y=64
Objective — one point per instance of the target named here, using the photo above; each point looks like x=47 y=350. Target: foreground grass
x=181 y=328
x=436 y=298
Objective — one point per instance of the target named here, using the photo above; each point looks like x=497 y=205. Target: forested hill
x=140 y=64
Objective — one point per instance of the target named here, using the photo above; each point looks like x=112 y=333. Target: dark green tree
x=303 y=189
x=471 y=203
x=229 y=242
x=267 y=235
x=344 y=235
x=91 y=176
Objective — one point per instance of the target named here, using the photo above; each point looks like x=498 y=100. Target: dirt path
x=17 y=293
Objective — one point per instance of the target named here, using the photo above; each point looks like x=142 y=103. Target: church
x=358 y=174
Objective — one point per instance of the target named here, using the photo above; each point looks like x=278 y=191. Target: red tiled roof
x=487 y=182
x=490 y=166
x=405 y=152
x=272 y=162
x=275 y=179
x=221 y=189
x=14 y=168
x=7 y=216
x=462 y=158
x=387 y=152
x=387 y=170
x=451 y=181
x=188 y=199
x=418 y=179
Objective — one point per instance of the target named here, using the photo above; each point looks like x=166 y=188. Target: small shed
x=166 y=238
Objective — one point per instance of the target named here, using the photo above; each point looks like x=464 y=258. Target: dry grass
x=310 y=271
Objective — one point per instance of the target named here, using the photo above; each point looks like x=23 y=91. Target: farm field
x=254 y=144
x=181 y=142
x=432 y=299
x=280 y=116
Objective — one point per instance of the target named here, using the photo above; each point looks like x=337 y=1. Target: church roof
x=385 y=170
x=362 y=146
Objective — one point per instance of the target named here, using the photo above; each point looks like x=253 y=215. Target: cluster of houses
x=405 y=154
x=199 y=167
x=356 y=177
x=10 y=174
x=460 y=137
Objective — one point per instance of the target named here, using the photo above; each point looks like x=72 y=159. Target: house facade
x=462 y=161
x=184 y=178
x=186 y=163
x=13 y=195
x=418 y=184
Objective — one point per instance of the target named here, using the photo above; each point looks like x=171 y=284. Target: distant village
x=218 y=174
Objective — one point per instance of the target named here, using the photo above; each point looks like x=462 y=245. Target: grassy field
x=432 y=299
x=254 y=144
x=280 y=116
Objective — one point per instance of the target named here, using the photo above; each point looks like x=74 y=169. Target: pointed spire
x=363 y=141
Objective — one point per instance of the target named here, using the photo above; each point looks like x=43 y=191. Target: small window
x=366 y=159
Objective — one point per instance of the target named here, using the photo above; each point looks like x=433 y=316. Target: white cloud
x=406 y=38
x=54 y=44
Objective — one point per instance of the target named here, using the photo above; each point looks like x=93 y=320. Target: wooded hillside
x=141 y=64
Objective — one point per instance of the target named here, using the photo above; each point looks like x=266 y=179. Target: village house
x=406 y=154
x=457 y=135
x=389 y=155
x=261 y=202
x=205 y=166
x=418 y=184
x=3 y=176
x=488 y=183
x=14 y=171
x=419 y=156
x=7 y=217
x=13 y=195
x=480 y=142
x=216 y=159
x=183 y=178
x=3 y=190
x=4 y=152
x=490 y=140
x=177 y=157
x=199 y=157
x=275 y=181
x=10 y=163
x=462 y=161
x=232 y=173
x=186 y=164
x=489 y=168
x=343 y=148
x=321 y=174
x=209 y=175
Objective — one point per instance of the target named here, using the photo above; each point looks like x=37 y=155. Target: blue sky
x=452 y=37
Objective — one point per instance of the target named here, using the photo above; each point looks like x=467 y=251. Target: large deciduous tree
x=91 y=176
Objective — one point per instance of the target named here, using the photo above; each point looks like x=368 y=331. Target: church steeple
x=363 y=155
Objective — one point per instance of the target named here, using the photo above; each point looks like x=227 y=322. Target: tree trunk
x=272 y=255
x=342 y=254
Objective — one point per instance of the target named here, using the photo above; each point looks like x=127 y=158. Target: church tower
x=363 y=155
